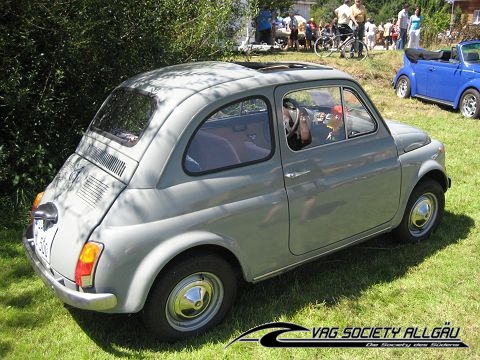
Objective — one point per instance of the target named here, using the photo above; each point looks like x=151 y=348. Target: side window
x=358 y=119
x=321 y=110
x=324 y=115
x=235 y=135
x=455 y=53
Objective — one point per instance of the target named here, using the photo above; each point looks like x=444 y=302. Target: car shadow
x=327 y=280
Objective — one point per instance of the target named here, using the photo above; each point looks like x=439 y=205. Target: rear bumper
x=87 y=301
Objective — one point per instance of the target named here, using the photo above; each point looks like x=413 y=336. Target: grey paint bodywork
x=146 y=210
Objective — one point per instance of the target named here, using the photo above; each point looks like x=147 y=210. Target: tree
x=60 y=58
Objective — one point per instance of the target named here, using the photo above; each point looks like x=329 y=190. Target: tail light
x=87 y=261
x=35 y=204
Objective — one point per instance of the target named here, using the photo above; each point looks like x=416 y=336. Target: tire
x=210 y=284
x=323 y=47
x=403 y=87
x=469 y=104
x=423 y=213
x=351 y=44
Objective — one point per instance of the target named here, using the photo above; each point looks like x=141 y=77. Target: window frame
x=342 y=88
x=206 y=119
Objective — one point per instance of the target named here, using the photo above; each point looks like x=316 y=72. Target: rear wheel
x=423 y=213
x=403 y=88
x=190 y=297
x=324 y=46
x=469 y=104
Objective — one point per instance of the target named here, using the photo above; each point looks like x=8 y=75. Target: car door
x=443 y=80
x=345 y=182
x=420 y=70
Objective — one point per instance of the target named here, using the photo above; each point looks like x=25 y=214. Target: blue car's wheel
x=403 y=87
x=469 y=104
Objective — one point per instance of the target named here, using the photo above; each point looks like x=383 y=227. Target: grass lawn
x=377 y=283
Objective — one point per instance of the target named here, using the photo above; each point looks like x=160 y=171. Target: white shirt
x=343 y=14
x=372 y=29
x=403 y=19
x=388 y=28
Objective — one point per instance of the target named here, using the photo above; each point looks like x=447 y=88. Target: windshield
x=124 y=116
x=471 y=52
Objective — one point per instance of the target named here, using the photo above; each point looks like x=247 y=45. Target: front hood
x=407 y=137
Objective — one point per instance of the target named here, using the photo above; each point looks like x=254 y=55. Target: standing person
x=293 y=25
x=343 y=19
x=367 y=23
x=414 y=27
x=264 y=26
x=371 y=31
x=387 y=32
x=308 y=35
x=358 y=15
x=395 y=32
x=314 y=27
x=402 y=22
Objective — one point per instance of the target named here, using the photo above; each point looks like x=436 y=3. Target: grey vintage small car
x=194 y=176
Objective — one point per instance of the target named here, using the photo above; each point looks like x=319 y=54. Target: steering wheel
x=291 y=126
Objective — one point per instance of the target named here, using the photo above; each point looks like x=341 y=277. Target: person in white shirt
x=343 y=19
x=402 y=22
x=387 y=33
x=371 y=31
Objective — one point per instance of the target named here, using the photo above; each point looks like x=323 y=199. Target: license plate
x=43 y=234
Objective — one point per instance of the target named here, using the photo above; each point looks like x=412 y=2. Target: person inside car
x=296 y=124
x=334 y=121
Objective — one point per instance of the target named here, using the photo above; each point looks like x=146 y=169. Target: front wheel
x=190 y=297
x=356 y=48
x=469 y=104
x=423 y=213
x=403 y=88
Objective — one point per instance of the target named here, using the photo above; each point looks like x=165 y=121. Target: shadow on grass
x=345 y=274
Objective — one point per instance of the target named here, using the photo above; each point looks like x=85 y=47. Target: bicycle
x=328 y=44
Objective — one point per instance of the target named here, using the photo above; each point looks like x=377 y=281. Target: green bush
x=61 y=58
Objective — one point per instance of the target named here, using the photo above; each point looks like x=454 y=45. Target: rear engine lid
x=82 y=192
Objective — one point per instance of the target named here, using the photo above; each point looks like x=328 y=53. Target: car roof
x=199 y=76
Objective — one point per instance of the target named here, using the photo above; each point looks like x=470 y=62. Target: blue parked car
x=449 y=77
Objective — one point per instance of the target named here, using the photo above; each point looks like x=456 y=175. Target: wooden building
x=471 y=8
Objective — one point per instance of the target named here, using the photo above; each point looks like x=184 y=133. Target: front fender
x=408 y=72
x=414 y=170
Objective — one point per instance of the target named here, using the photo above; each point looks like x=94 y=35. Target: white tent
x=300 y=19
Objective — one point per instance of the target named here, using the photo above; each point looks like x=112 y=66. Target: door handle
x=295 y=174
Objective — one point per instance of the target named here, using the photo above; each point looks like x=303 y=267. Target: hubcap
x=469 y=105
x=402 y=88
x=194 y=301
x=423 y=215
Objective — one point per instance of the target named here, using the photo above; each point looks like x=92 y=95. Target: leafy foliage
x=60 y=58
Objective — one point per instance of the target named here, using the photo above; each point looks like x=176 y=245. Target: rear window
x=124 y=116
